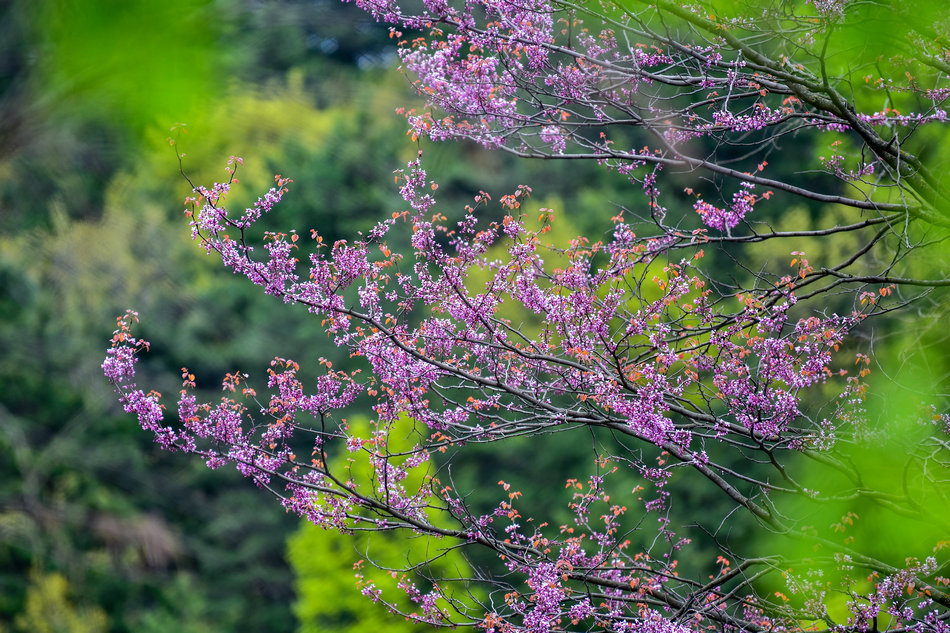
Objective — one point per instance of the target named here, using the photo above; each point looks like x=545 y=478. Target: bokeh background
x=99 y=530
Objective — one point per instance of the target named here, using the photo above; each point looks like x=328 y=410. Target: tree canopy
x=739 y=469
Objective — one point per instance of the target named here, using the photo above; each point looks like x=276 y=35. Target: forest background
x=99 y=530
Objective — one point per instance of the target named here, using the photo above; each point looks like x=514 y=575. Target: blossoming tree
x=736 y=378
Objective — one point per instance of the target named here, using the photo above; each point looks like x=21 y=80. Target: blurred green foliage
x=92 y=518
x=91 y=515
x=49 y=610
x=95 y=522
x=135 y=63
x=326 y=563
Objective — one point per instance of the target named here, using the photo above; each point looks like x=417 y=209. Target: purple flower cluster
x=727 y=219
x=482 y=331
x=604 y=355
